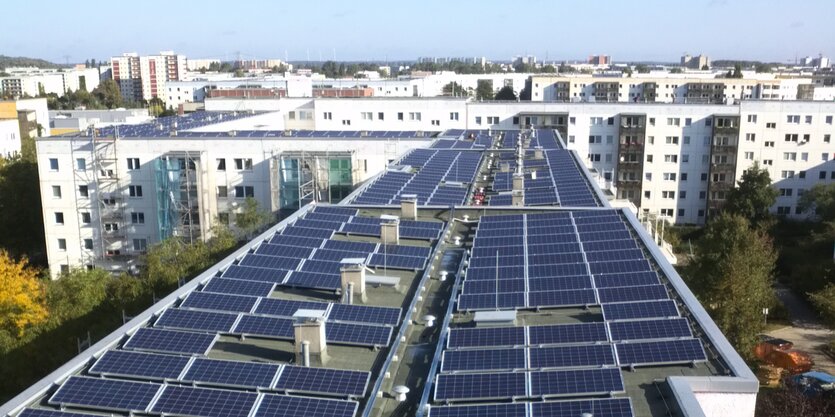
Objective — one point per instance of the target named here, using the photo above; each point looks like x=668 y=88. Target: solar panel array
x=148 y=397
x=461 y=139
x=308 y=253
x=437 y=177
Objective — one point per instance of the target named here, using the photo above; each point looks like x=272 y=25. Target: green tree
x=753 y=196
x=549 y=69
x=21 y=227
x=737 y=71
x=642 y=69
x=484 y=90
x=76 y=293
x=732 y=276
x=171 y=260
x=108 y=94
x=676 y=70
x=820 y=200
x=824 y=302
x=455 y=90
x=506 y=93
x=251 y=218
x=705 y=67
x=525 y=93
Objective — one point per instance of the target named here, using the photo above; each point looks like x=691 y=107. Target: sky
x=628 y=30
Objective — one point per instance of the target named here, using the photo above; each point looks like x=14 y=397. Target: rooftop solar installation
x=190 y=401
x=105 y=394
x=336 y=382
x=171 y=341
x=286 y=406
x=35 y=412
x=139 y=364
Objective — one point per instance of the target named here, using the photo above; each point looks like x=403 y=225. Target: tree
x=820 y=199
x=21 y=227
x=790 y=400
x=676 y=70
x=753 y=196
x=251 y=218
x=455 y=90
x=171 y=260
x=76 y=293
x=642 y=69
x=736 y=73
x=506 y=93
x=732 y=275
x=705 y=67
x=549 y=69
x=824 y=301
x=525 y=93
x=484 y=90
x=108 y=94
x=21 y=296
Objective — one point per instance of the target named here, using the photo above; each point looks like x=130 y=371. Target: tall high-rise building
x=144 y=77
x=600 y=60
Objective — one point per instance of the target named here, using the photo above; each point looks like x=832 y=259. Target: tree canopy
x=732 y=276
x=753 y=196
x=250 y=218
x=819 y=199
x=506 y=93
x=22 y=303
x=454 y=89
x=484 y=90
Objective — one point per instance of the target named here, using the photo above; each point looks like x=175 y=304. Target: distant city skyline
x=647 y=30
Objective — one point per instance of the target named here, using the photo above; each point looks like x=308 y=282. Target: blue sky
x=657 y=30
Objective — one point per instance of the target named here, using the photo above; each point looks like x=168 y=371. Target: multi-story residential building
x=672 y=160
x=600 y=60
x=144 y=77
x=35 y=81
x=695 y=62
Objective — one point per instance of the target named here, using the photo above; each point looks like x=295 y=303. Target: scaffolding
x=109 y=200
x=178 y=196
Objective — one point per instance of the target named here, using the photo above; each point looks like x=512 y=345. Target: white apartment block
x=31 y=81
x=144 y=77
x=672 y=160
x=9 y=137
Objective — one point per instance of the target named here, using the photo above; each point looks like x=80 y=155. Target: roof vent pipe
x=400 y=391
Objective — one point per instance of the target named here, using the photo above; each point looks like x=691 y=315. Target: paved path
x=806 y=332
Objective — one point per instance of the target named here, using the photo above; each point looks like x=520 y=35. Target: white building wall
x=39 y=106
x=9 y=137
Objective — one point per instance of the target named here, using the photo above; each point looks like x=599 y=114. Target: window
x=790 y=156
x=667 y=212
x=768 y=162
x=668 y=194
x=704 y=177
x=808 y=120
x=804 y=156
x=701 y=213
x=792 y=118
x=594 y=157
x=786 y=174
x=85 y=217
x=515 y=120
x=826 y=138
x=784 y=210
x=786 y=192
x=682 y=195
x=749 y=156
x=649 y=158
x=56 y=191
x=367 y=115
x=572 y=120
x=719 y=177
x=400 y=115
x=680 y=212
x=683 y=176
x=686 y=140
x=771 y=125
x=647 y=194
x=135 y=190
x=328 y=115
x=53 y=164
x=222 y=191
x=801 y=175
x=671 y=140
x=59 y=217
x=243 y=164
x=769 y=144
x=596 y=121
x=571 y=139
x=824 y=158
x=651 y=140
x=669 y=176
x=244 y=191
x=140 y=245
x=62 y=244
x=829 y=120
x=671 y=158
x=137 y=217
x=436 y=122
x=806 y=137
x=673 y=121
x=648 y=176
x=750 y=137
x=221 y=164
x=652 y=121
x=81 y=164
x=381 y=116
x=708 y=122
x=454 y=116
x=752 y=118
x=492 y=120
x=346 y=122
x=595 y=139
x=83 y=191
x=702 y=195
x=88 y=244
x=688 y=121
x=478 y=120
x=414 y=116
x=223 y=218
x=822 y=175
x=133 y=164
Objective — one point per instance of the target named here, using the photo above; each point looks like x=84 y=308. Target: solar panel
x=576 y=382
x=365 y=314
x=650 y=329
x=559 y=283
x=265 y=326
x=106 y=394
x=625 y=294
x=639 y=310
x=604 y=407
x=488 y=337
x=34 y=412
x=286 y=308
x=254 y=274
x=146 y=365
x=281 y=405
x=344 y=211
x=561 y=298
x=451 y=387
x=567 y=333
x=219 y=302
x=288 y=249
x=483 y=360
x=357 y=334
x=176 y=318
x=338 y=382
x=315 y=280
x=472 y=302
x=660 y=353
x=189 y=401
x=307 y=232
x=572 y=356
x=270 y=261
x=488 y=410
x=239 y=286
x=159 y=340
x=627 y=279
x=397 y=261
x=350 y=246
x=231 y=373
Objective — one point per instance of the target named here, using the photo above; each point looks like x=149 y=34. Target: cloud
x=796 y=24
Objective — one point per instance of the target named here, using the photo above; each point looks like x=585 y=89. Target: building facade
x=144 y=77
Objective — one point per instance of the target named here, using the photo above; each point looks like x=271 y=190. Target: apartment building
x=34 y=81
x=144 y=77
